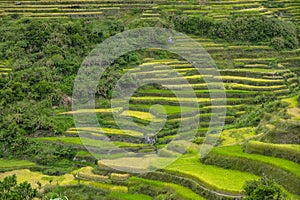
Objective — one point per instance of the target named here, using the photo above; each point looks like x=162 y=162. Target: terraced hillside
x=248 y=82
x=288 y=10
x=262 y=123
x=220 y=10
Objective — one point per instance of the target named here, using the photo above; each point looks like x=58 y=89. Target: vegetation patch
x=255 y=29
x=4 y=163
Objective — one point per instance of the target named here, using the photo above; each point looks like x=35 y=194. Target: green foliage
x=74 y=192
x=57 y=157
x=110 y=76
x=30 y=116
x=263 y=189
x=258 y=29
x=277 y=43
x=11 y=190
x=253 y=29
x=198 y=25
x=45 y=55
x=273 y=4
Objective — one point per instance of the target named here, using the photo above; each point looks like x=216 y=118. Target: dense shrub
x=198 y=25
x=262 y=189
x=45 y=55
x=21 y=147
x=11 y=190
x=258 y=29
x=277 y=43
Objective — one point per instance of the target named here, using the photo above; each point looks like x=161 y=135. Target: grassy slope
x=15 y=163
x=178 y=190
x=90 y=142
x=211 y=176
x=126 y=196
x=277 y=162
x=293 y=147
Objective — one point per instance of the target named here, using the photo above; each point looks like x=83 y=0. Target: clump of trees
x=45 y=56
x=11 y=190
x=259 y=29
x=263 y=189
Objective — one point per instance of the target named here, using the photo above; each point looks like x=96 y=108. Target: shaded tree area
x=45 y=56
x=263 y=189
x=11 y=190
x=258 y=30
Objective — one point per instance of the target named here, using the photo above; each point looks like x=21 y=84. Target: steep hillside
x=255 y=47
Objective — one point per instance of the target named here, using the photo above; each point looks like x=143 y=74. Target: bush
x=258 y=29
x=10 y=189
x=262 y=189
x=277 y=43
x=254 y=29
x=198 y=25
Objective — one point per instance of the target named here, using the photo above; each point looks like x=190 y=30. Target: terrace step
x=233 y=157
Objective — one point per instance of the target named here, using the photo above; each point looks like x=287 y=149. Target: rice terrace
x=140 y=99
